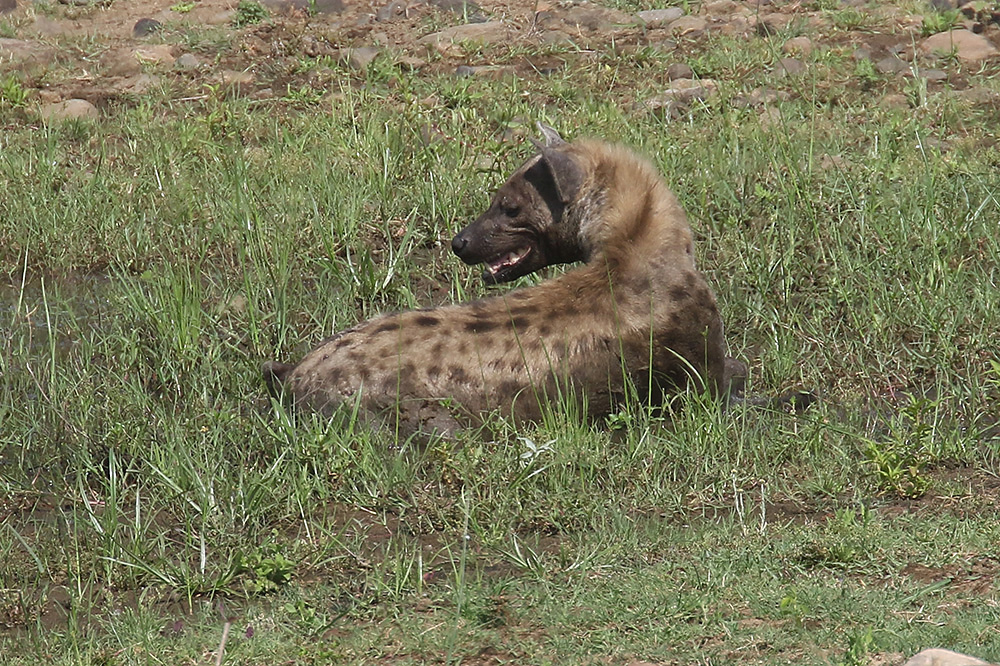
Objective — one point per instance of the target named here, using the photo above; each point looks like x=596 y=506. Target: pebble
x=7 y=6
x=679 y=71
x=360 y=57
x=688 y=25
x=490 y=32
x=188 y=61
x=145 y=27
x=790 y=67
x=967 y=46
x=891 y=65
x=802 y=46
x=391 y=10
x=71 y=109
x=657 y=18
x=939 y=657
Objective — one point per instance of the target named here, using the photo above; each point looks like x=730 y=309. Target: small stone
x=802 y=46
x=790 y=67
x=679 y=71
x=463 y=71
x=939 y=657
x=71 y=109
x=862 y=53
x=490 y=32
x=720 y=8
x=360 y=57
x=687 y=25
x=933 y=74
x=188 y=61
x=145 y=27
x=966 y=45
x=7 y=6
x=891 y=65
x=410 y=63
x=895 y=101
x=391 y=10
x=684 y=91
x=657 y=18
x=770 y=116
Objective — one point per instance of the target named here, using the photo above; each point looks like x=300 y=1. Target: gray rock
x=188 y=61
x=391 y=10
x=966 y=45
x=71 y=109
x=933 y=74
x=891 y=65
x=679 y=71
x=7 y=6
x=939 y=657
x=684 y=91
x=491 y=32
x=591 y=17
x=687 y=25
x=790 y=67
x=145 y=27
x=657 y=18
x=802 y=46
x=360 y=57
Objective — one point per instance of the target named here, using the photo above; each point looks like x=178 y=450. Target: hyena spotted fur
x=636 y=316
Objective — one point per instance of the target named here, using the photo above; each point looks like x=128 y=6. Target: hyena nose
x=458 y=243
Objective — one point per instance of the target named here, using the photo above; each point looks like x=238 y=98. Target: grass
x=155 y=497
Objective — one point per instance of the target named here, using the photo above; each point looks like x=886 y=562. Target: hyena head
x=527 y=225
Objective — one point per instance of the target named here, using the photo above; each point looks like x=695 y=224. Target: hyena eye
x=510 y=209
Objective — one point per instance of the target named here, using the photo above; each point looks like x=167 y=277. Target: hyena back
x=637 y=316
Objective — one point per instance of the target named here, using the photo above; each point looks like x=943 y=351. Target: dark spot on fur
x=354 y=356
x=333 y=376
x=678 y=293
x=437 y=349
x=425 y=320
x=520 y=322
x=433 y=372
x=480 y=326
x=387 y=326
x=690 y=279
x=544 y=329
x=463 y=348
x=508 y=388
x=530 y=309
x=457 y=373
x=341 y=343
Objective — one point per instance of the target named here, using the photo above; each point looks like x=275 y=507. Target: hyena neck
x=626 y=215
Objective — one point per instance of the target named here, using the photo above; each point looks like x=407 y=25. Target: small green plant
x=266 y=569
x=899 y=461
x=850 y=18
x=867 y=73
x=12 y=94
x=249 y=12
x=936 y=22
x=859 y=645
x=182 y=7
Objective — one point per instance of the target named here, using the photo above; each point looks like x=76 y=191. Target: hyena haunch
x=638 y=315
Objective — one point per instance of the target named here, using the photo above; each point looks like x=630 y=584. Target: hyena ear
x=566 y=174
x=552 y=138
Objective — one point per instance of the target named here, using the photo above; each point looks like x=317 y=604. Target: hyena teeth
x=508 y=260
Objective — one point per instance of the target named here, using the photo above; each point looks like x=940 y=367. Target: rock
x=484 y=71
x=360 y=57
x=894 y=101
x=391 y=10
x=802 y=46
x=491 y=32
x=720 y=8
x=770 y=24
x=71 y=109
x=25 y=55
x=586 y=15
x=679 y=71
x=188 y=61
x=145 y=27
x=239 y=81
x=891 y=65
x=967 y=45
x=657 y=18
x=128 y=62
x=933 y=74
x=684 y=91
x=790 y=67
x=939 y=657
x=760 y=97
x=7 y=6
x=687 y=25
x=139 y=85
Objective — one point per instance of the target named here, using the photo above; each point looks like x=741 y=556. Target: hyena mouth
x=504 y=268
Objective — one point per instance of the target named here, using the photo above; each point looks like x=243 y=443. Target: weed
x=182 y=7
x=13 y=94
x=939 y=21
x=899 y=462
x=249 y=12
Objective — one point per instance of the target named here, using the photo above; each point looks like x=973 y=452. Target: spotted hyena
x=636 y=316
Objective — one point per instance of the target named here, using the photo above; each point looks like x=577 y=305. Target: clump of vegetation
x=249 y=12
